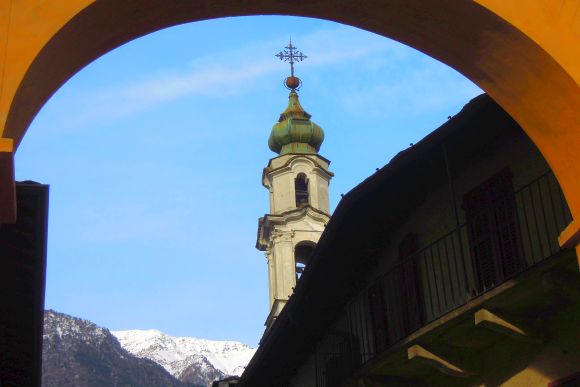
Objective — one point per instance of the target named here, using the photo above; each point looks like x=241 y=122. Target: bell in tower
x=297 y=180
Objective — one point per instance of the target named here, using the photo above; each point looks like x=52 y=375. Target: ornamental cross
x=292 y=55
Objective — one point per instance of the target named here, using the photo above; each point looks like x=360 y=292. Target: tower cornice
x=268 y=221
x=319 y=165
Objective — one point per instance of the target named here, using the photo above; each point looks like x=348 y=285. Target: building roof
x=359 y=229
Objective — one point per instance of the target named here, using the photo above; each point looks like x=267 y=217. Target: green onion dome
x=294 y=132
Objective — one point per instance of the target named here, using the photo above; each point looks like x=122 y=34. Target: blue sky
x=154 y=154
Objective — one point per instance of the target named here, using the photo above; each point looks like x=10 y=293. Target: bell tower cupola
x=297 y=180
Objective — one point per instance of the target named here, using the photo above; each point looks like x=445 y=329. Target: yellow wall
x=523 y=53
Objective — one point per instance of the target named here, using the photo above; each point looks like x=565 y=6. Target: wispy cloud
x=226 y=74
x=215 y=81
x=220 y=74
x=373 y=86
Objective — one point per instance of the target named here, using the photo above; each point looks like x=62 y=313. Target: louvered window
x=493 y=230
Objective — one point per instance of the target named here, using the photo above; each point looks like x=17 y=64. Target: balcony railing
x=445 y=275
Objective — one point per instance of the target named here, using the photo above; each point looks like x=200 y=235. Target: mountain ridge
x=177 y=354
x=77 y=352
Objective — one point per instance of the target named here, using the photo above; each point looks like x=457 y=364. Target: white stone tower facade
x=297 y=181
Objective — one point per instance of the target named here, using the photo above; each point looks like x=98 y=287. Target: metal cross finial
x=292 y=55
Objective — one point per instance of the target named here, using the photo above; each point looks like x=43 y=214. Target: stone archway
x=521 y=56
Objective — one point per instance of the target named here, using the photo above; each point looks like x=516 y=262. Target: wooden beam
x=487 y=319
x=7 y=187
x=418 y=353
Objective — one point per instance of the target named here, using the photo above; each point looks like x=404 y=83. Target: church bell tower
x=297 y=180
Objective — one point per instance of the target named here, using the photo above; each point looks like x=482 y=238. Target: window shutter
x=492 y=230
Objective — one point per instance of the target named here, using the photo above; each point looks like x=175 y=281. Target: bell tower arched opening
x=302 y=254
x=301 y=190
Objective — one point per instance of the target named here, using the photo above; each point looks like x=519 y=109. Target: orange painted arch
x=524 y=54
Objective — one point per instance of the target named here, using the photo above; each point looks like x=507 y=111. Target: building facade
x=441 y=269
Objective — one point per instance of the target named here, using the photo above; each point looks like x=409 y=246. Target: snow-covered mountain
x=76 y=352
x=187 y=356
